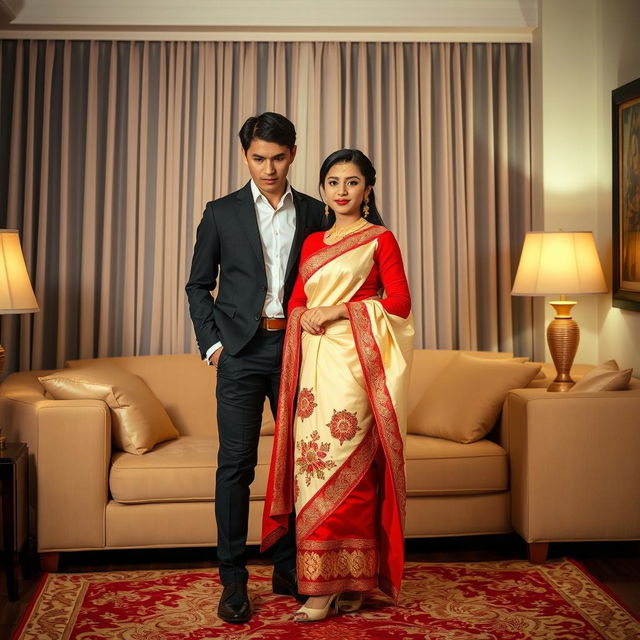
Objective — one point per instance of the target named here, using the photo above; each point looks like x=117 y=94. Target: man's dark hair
x=270 y=127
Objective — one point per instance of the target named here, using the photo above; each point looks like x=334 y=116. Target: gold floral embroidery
x=343 y=425
x=306 y=403
x=328 y=545
x=321 y=257
x=312 y=461
x=340 y=563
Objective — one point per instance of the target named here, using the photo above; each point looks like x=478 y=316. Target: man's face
x=269 y=164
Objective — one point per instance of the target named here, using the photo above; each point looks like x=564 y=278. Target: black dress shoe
x=286 y=584
x=234 y=604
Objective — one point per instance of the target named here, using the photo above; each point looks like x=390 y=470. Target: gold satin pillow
x=138 y=420
x=606 y=377
x=464 y=402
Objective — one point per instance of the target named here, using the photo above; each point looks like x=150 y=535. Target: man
x=254 y=237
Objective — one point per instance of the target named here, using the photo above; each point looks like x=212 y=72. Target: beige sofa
x=549 y=469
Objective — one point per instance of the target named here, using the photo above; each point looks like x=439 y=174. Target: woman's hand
x=314 y=320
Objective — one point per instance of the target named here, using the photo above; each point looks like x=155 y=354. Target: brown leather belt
x=273 y=324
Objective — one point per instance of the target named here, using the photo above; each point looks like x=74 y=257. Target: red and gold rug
x=483 y=601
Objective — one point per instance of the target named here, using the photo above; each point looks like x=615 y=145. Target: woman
x=338 y=448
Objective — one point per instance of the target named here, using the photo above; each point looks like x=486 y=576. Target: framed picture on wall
x=626 y=196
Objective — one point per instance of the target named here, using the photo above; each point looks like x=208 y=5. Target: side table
x=14 y=478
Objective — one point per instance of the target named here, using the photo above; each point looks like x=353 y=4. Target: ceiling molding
x=268 y=35
x=275 y=20
x=274 y=14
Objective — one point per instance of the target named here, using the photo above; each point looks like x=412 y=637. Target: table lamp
x=16 y=294
x=560 y=263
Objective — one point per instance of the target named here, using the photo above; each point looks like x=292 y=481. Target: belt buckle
x=267 y=324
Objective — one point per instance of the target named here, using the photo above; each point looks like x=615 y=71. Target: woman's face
x=345 y=188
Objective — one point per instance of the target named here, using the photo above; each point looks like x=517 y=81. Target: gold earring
x=326 y=209
x=365 y=209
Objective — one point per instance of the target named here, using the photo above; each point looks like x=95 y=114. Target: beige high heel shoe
x=348 y=605
x=315 y=615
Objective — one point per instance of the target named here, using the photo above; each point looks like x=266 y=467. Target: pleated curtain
x=110 y=150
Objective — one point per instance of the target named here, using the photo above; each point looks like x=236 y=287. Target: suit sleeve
x=202 y=280
x=397 y=300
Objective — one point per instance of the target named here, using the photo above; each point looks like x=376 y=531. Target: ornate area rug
x=483 y=601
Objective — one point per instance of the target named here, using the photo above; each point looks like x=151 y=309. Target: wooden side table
x=14 y=459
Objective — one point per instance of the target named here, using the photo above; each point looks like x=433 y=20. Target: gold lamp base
x=563 y=337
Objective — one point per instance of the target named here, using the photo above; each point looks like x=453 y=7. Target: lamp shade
x=559 y=263
x=16 y=294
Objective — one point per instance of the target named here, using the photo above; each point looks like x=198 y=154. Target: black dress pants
x=244 y=380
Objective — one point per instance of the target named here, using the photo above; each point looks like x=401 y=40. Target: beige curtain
x=109 y=151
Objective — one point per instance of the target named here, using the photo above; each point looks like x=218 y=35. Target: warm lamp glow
x=557 y=263
x=16 y=294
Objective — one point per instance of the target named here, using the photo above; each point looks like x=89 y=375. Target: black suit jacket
x=228 y=239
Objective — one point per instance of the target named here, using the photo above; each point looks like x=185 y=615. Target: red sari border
x=353 y=566
x=321 y=257
x=381 y=402
x=279 y=499
x=386 y=420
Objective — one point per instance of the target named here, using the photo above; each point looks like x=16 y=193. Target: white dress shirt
x=277 y=228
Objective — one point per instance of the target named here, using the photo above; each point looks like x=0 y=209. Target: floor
x=617 y=565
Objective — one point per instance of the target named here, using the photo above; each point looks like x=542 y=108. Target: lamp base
x=558 y=385
x=563 y=337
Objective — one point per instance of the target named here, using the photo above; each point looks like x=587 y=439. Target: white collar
x=257 y=194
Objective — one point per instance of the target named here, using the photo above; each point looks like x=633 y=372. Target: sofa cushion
x=441 y=467
x=464 y=402
x=606 y=377
x=181 y=470
x=138 y=420
x=185 y=386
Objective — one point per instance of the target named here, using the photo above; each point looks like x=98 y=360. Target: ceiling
x=273 y=19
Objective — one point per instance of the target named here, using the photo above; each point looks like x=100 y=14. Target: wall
x=565 y=97
x=582 y=50
x=618 y=63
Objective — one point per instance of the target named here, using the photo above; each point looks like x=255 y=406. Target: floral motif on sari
x=312 y=461
x=306 y=403
x=343 y=425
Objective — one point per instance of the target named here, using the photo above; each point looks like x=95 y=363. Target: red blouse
x=387 y=273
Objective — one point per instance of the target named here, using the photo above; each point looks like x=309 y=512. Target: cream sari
x=342 y=406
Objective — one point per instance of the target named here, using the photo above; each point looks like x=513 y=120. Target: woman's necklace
x=338 y=233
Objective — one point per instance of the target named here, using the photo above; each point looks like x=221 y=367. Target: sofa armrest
x=74 y=451
x=70 y=450
x=574 y=464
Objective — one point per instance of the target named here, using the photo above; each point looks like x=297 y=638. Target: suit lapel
x=298 y=237
x=247 y=216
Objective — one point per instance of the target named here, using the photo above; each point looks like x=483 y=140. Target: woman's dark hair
x=270 y=127
x=366 y=169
